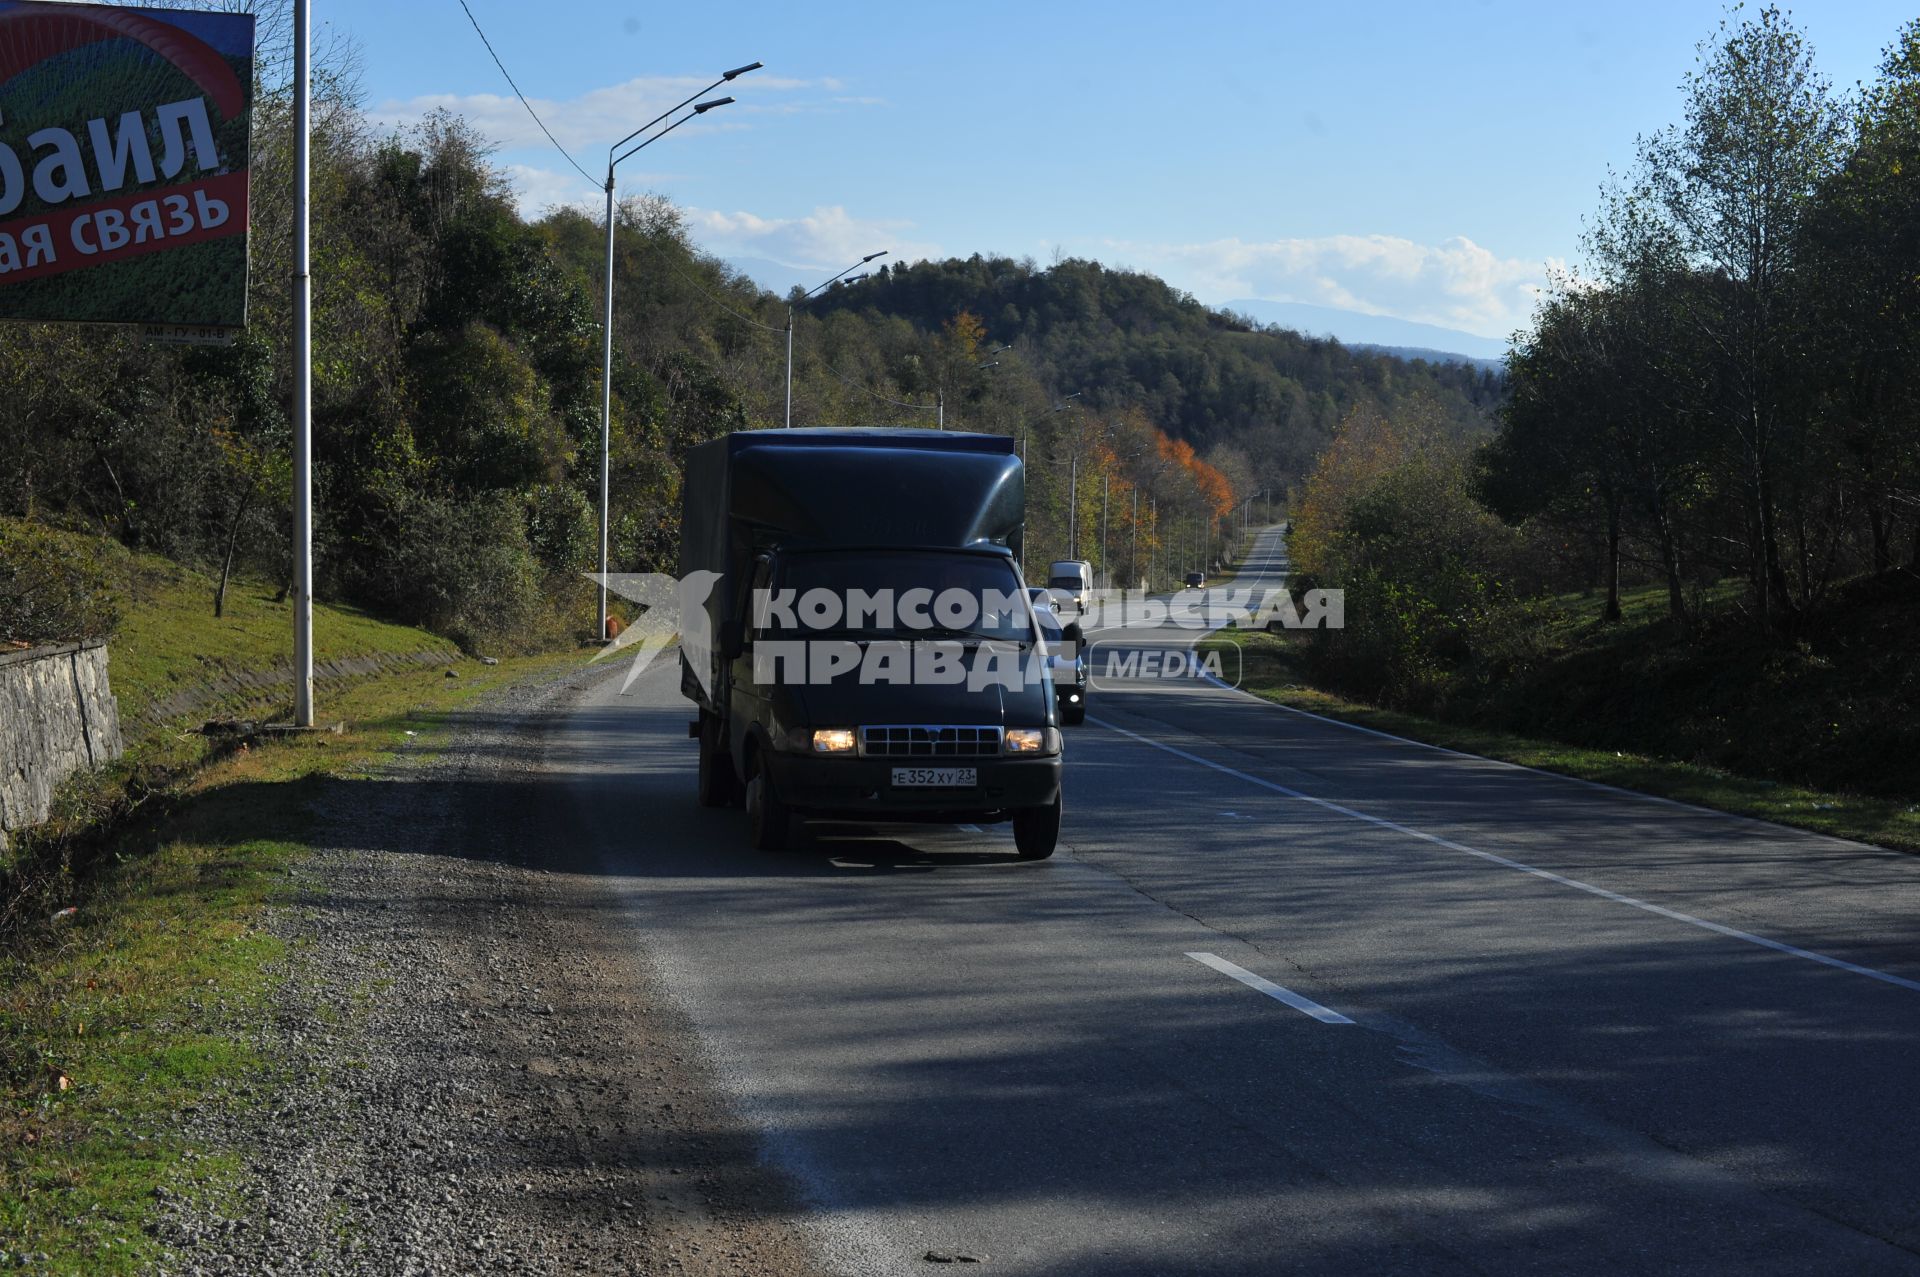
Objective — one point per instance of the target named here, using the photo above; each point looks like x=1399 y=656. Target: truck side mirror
x=733 y=639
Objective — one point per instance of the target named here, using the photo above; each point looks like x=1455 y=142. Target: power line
x=898 y=403
x=696 y=286
x=523 y=97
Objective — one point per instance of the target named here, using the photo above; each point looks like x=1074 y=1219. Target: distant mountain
x=1431 y=356
x=778 y=278
x=1381 y=332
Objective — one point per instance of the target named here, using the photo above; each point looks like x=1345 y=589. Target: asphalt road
x=1450 y=1015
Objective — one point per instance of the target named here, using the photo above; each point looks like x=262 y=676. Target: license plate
x=935 y=777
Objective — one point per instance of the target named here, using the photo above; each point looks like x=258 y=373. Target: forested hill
x=1127 y=338
x=457 y=396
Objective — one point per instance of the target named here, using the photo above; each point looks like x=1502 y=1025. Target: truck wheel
x=719 y=787
x=769 y=823
x=1036 y=830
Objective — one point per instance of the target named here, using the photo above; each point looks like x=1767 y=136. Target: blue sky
x=1428 y=161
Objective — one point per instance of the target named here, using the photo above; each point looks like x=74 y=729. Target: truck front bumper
x=860 y=788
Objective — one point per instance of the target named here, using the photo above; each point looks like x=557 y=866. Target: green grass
x=170 y=639
x=1274 y=670
x=144 y=1000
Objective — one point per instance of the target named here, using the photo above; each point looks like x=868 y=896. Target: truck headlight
x=1031 y=740
x=833 y=740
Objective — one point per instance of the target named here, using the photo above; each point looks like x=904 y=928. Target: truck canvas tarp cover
x=876 y=488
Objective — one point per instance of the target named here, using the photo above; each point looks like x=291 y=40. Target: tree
x=1730 y=189
x=1600 y=429
x=1861 y=250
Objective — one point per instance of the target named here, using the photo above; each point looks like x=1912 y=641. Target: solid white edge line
x=1675 y=915
x=1278 y=993
x=1601 y=785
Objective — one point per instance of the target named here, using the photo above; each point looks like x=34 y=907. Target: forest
x=457 y=396
x=1715 y=422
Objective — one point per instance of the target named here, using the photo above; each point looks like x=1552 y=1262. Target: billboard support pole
x=302 y=370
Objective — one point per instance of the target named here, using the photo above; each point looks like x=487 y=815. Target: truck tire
x=769 y=823
x=719 y=787
x=1036 y=830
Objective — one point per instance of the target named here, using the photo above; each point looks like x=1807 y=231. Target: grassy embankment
x=1817 y=735
x=144 y=1000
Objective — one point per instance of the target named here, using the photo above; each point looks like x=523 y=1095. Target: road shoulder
x=478 y=1071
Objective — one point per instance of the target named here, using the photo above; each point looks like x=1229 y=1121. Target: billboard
x=123 y=164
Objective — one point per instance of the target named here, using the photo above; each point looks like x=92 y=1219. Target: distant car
x=1196 y=579
x=1075 y=576
x=1070 y=673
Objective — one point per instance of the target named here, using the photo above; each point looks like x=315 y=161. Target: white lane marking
x=973 y=829
x=1675 y=915
x=1640 y=795
x=1277 y=992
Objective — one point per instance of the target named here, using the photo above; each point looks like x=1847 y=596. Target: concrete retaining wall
x=57 y=716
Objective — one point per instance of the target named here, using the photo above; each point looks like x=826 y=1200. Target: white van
x=1075 y=576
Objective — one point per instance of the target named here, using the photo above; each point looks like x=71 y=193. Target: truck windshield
x=899 y=594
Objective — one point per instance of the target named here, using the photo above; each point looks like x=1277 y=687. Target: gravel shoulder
x=481 y=1071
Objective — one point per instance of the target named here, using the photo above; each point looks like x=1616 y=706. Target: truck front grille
x=929 y=742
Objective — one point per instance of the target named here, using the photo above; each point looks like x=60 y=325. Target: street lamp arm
x=642 y=145
x=803 y=299
x=836 y=279
x=727 y=76
x=614 y=157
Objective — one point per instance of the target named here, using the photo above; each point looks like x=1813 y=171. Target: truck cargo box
x=850 y=487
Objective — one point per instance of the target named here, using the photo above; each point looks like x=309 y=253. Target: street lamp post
x=1153 y=547
x=1106 y=493
x=940 y=391
x=302 y=368
x=1133 y=533
x=616 y=157
x=804 y=299
x=1064 y=404
x=1073 y=505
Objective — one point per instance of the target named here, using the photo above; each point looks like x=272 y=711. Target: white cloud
x=538 y=189
x=1455 y=283
x=535 y=190
x=828 y=238
x=594 y=119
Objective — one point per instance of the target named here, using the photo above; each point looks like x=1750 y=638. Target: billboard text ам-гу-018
x=123 y=164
